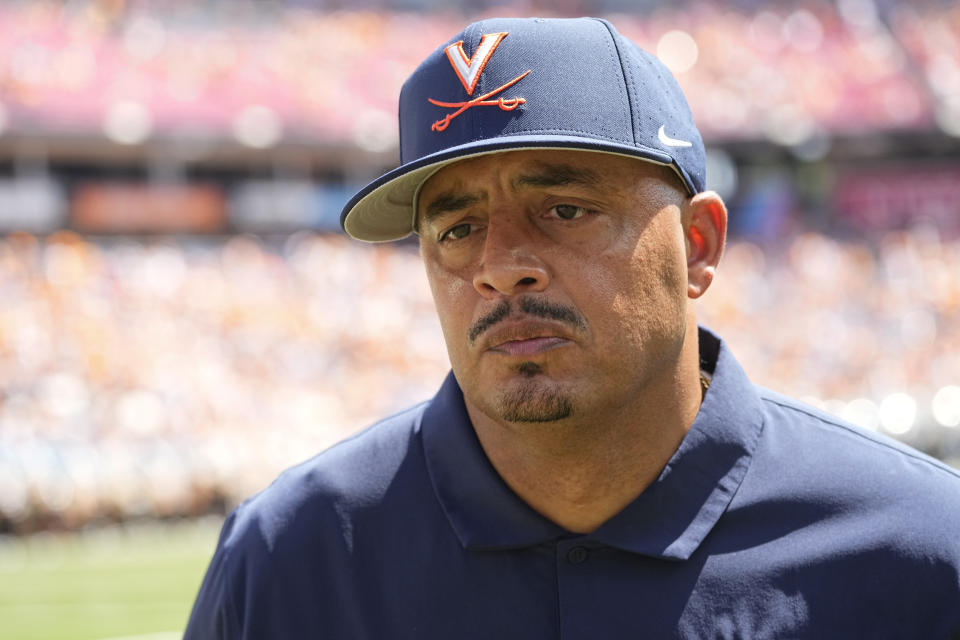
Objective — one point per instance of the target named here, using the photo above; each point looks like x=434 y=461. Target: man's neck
x=580 y=473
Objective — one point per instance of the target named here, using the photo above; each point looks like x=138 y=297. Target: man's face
x=559 y=278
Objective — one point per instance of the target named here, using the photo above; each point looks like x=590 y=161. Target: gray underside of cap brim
x=384 y=210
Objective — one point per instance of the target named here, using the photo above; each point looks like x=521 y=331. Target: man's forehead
x=517 y=169
x=452 y=186
x=465 y=183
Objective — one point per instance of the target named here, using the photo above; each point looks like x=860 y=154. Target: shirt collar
x=668 y=520
x=483 y=510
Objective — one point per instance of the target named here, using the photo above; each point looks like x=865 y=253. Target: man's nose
x=510 y=263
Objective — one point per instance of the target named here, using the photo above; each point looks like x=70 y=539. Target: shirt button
x=577 y=555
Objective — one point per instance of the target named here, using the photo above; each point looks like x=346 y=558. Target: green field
x=132 y=582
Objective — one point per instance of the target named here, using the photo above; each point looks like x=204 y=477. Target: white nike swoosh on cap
x=671 y=142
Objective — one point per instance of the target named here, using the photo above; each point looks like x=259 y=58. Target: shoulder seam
x=836 y=422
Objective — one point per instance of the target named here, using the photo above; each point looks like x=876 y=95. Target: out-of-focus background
x=181 y=317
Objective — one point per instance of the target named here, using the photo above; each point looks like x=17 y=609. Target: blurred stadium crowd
x=173 y=378
x=172 y=375
x=166 y=378
x=784 y=71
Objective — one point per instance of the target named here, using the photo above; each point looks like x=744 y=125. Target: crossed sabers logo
x=469 y=70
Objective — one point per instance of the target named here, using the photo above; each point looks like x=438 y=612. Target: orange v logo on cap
x=468 y=70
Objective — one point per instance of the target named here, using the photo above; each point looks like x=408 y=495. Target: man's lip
x=528 y=347
x=525 y=337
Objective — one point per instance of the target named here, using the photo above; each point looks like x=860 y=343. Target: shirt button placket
x=577 y=583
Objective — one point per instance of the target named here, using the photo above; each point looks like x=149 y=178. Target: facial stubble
x=532 y=399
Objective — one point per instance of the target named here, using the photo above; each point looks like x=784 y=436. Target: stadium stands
x=784 y=73
x=169 y=378
x=172 y=375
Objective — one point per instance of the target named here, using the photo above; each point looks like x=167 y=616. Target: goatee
x=532 y=401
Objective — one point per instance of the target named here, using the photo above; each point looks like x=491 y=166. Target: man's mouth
x=529 y=346
x=525 y=337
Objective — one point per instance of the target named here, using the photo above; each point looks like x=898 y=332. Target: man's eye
x=457 y=232
x=569 y=211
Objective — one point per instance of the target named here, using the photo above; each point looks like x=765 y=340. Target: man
x=596 y=465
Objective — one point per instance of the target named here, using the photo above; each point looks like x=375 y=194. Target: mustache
x=531 y=307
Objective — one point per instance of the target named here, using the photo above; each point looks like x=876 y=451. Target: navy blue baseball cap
x=532 y=83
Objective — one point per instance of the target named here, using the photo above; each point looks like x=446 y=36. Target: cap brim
x=384 y=210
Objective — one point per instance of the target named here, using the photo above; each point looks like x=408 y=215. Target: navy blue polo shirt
x=771 y=520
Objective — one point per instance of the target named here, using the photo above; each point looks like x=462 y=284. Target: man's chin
x=533 y=400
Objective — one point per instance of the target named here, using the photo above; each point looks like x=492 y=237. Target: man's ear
x=706 y=233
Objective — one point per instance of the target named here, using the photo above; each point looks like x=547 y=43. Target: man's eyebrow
x=542 y=175
x=447 y=202
x=557 y=175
